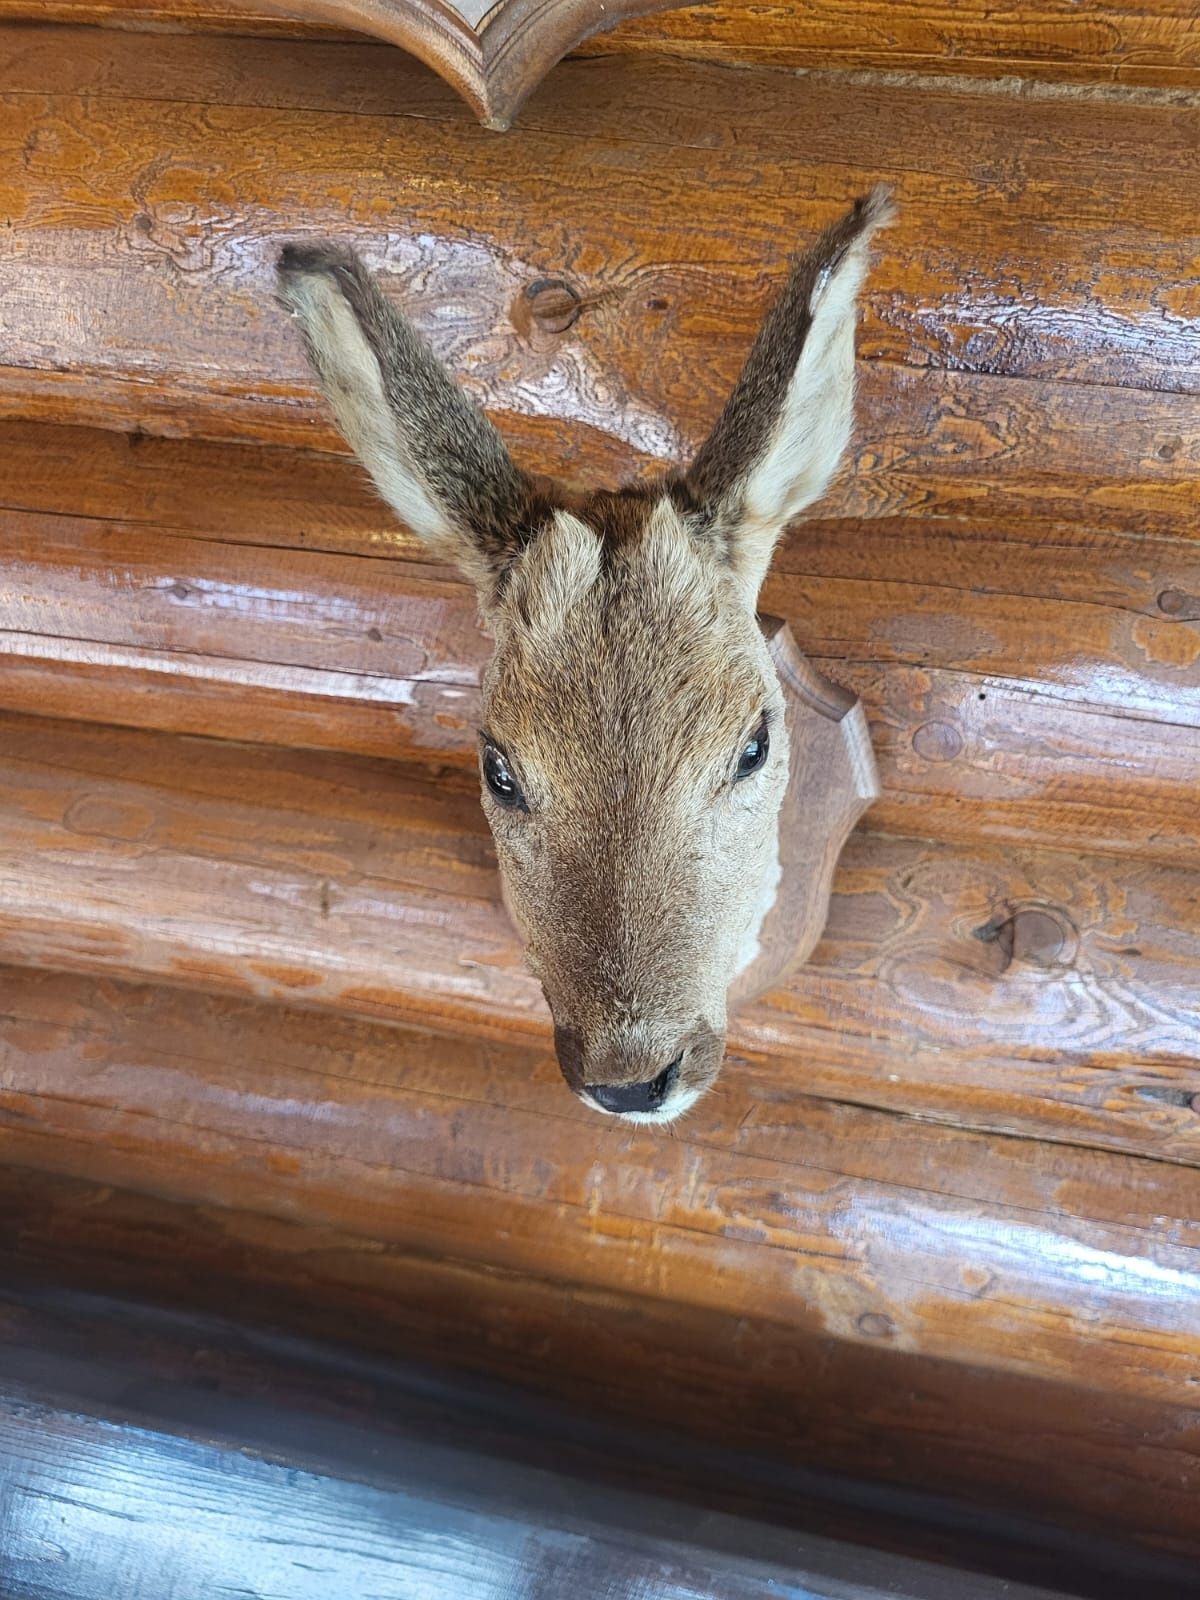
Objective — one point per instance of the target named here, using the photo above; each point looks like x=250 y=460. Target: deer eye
x=497 y=774
x=754 y=753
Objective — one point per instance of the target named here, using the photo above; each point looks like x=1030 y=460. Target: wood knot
x=1179 y=605
x=937 y=741
x=553 y=305
x=1038 y=935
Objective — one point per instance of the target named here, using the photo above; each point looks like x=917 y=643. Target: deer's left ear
x=434 y=456
x=781 y=435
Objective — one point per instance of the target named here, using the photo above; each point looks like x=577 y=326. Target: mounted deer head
x=633 y=750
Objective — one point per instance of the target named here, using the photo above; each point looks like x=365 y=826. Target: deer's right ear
x=779 y=439
x=433 y=455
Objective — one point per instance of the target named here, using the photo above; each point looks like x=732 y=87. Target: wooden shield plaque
x=494 y=52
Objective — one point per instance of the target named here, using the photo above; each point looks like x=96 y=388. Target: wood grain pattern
x=993 y=364
x=1004 y=668
x=1131 y=42
x=72 y=1363
x=1128 y=42
x=1035 y=992
x=779 y=1283
x=143 y=1512
x=154 y=16
x=493 y=53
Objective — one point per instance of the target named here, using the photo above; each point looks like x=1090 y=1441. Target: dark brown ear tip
x=300 y=260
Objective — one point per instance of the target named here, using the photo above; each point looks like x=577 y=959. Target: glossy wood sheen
x=998 y=664
x=145 y=292
x=1131 y=42
x=493 y=52
x=424 y=1484
x=143 y=1513
x=1038 y=992
x=936 y=1227
x=834 y=1284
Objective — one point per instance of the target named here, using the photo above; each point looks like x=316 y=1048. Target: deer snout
x=650 y=1095
x=635 y=1077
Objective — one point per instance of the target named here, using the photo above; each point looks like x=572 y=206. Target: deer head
x=633 y=751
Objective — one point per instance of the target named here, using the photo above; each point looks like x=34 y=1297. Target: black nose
x=625 y=1097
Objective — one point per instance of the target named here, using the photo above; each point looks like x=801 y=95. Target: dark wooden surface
x=89 y=1508
x=147 y=1456
x=731 y=1412
x=1126 y=42
x=1019 y=315
x=1044 y=993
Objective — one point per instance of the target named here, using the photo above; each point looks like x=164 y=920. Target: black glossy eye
x=754 y=753
x=497 y=774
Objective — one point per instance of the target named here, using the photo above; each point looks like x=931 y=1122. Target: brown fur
x=629 y=673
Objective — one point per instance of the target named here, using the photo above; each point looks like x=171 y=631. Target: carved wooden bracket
x=833 y=781
x=494 y=52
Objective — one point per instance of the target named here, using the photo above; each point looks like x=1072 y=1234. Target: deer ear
x=781 y=435
x=433 y=455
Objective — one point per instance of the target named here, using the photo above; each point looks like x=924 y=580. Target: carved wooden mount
x=833 y=780
x=494 y=54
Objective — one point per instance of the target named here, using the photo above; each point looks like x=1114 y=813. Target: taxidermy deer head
x=633 y=749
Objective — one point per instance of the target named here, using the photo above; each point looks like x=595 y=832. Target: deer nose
x=645 y=1097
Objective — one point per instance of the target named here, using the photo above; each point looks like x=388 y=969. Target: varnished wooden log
x=391 y=1135
x=1027 y=683
x=1033 y=991
x=1130 y=42
x=392 y=1492
x=1115 y=41
x=239 y=1432
x=998 y=373
x=422 y=1197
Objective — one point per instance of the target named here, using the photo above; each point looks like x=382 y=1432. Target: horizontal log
x=906 y=1422
x=998 y=371
x=146 y=1490
x=1039 y=690
x=174 y=16
x=1116 y=41
x=1131 y=42
x=1030 y=991
x=245 y=493
x=293 y=1430
x=142 y=1511
x=420 y=1189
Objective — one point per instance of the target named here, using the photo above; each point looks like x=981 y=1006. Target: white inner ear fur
x=353 y=385
x=814 y=426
